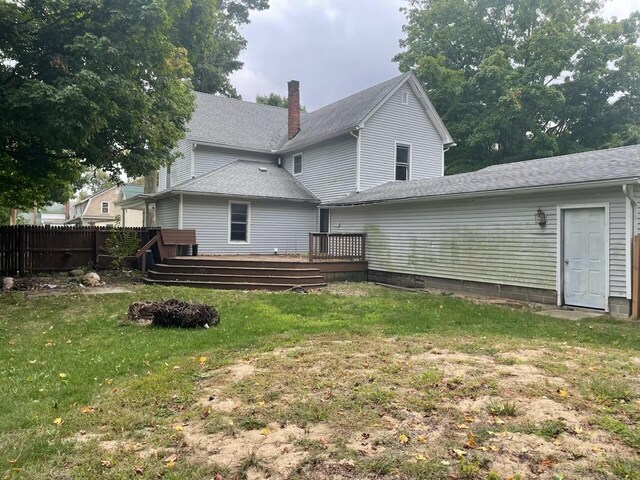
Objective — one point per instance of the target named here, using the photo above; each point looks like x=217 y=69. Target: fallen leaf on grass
x=421 y=439
x=563 y=392
x=403 y=438
x=472 y=441
x=87 y=409
x=202 y=360
x=177 y=428
x=171 y=460
x=138 y=470
x=460 y=453
x=420 y=458
x=57 y=421
x=62 y=375
x=265 y=431
x=106 y=463
x=462 y=426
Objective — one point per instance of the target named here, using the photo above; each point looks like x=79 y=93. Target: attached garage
x=556 y=230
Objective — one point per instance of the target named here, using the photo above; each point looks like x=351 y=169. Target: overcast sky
x=334 y=47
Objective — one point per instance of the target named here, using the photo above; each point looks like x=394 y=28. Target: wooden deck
x=253 y=272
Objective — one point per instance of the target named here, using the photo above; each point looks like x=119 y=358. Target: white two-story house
x=252 y=178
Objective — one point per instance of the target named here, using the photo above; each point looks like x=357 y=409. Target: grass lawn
x=355 y=381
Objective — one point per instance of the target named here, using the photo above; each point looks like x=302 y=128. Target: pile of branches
x=174 y=313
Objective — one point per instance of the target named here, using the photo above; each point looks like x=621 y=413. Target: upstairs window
x=105 y=207
x=297 y=164
x=238 y=222
x=405 y=98
x=167 y=180
x=402 y=162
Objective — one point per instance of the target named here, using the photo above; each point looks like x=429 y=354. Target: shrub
x=121 y=244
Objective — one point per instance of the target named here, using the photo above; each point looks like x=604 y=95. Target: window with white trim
x=405 y=98
x=105 y=207
x=403 y=153
x=297 y=164
x=239 y=222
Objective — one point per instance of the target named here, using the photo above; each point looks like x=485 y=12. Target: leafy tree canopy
x=87 y=83
x=515 y=79
x=276 y=100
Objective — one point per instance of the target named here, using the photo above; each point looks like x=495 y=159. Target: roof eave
x=491 y=193
x=197 y=142
x=324 y=138
x=233 y=195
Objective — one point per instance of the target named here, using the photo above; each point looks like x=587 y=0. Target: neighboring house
x=101 y=209
x=56 y=214
x=251 y=178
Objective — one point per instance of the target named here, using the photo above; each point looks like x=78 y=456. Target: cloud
x=334 y=47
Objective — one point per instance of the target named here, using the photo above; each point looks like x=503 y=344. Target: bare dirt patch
x=416 y=407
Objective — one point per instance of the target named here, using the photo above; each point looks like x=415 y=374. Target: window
x=105 y=207
x=167 y=180
x=297 y=164
x=324 y=220
x=238 y=222
x=402 y=162
x=405 y=98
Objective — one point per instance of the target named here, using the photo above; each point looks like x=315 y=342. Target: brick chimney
x=294 y=108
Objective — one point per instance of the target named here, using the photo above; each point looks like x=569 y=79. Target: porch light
x=541 y=218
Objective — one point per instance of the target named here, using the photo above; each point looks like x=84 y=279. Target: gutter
x=490 y=193
x=631 y=207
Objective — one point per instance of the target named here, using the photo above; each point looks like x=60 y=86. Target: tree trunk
x=151 y=182
x=13 y=216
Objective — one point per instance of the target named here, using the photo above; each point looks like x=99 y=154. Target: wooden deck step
x=242 y=270
x=231 y=286
x=234 y=277
x=214 y=262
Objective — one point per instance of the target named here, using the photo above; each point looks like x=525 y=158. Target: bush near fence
x=32 y=249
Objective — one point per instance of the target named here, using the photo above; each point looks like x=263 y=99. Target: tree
x=276 y=100
x=208 y=30
x=520 y=79
x=87 y=83
x=95 y=180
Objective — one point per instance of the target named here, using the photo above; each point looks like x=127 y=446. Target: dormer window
x=105 y=207
x=405 y=98
x=297 y=164
x=403 y=156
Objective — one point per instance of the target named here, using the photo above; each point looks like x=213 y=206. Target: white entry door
x=584 y=257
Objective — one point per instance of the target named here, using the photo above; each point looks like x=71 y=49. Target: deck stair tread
x=234 y=285
x=223 y=276
x=243 y=268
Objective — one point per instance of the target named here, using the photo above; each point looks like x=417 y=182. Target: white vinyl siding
x=180 y=169
x=403 y=124
x=493 y=240
x=210 y=158
x=329 y=169
x=273 y=224
x=167 y=212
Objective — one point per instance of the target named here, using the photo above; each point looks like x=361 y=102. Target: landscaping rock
x=174 y=313
x=7 y=283
x=91 y=279
x=78 y=272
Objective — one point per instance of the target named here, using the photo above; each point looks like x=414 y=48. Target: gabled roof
x=615 y=165
x=236 y=124
x=233 y=123
x=244 y=178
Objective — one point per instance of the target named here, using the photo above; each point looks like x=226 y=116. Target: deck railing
x=337 y=246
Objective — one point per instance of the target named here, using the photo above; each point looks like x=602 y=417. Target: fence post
x=635 y=279
x=21 y=250
x=310 y=247
x=364 y=247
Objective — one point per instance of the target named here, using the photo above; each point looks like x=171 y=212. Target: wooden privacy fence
x=31 y=248
x=337 y=246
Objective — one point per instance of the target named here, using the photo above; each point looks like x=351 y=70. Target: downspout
x=358 y=143
x=630 y=221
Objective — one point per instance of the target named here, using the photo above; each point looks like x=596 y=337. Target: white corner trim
x=193 y=160
x=560 y=249
x=236 y=242
x=358 y=138
x=180 y=207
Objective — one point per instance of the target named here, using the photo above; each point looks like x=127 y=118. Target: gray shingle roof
x=252 y=126
x=601 y=165
x=130 y=191
x=234 y=123
x=244 y=178
x=342 y=115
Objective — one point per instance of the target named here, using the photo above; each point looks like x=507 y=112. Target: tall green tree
x=276 y=100
x=519 y=79
x=87 y=83
x=208 y=30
